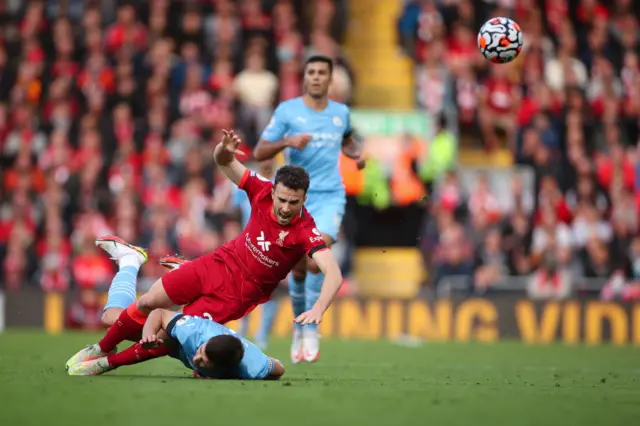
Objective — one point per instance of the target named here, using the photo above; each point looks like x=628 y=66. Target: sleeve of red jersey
x=312 y=240
x=252 y=183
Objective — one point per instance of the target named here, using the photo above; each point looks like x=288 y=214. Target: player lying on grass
x=232 y=280
x=210 y=349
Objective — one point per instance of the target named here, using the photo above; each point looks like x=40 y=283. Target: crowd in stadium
x=109 y=112
x=568 y=109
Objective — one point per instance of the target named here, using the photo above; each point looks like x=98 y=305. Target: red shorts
x=209 y=289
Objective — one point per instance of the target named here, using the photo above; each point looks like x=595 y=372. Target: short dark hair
x=293 y=177
x=319 y=58
x=224 y=350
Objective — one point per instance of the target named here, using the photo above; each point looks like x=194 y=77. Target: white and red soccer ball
x=500 y=40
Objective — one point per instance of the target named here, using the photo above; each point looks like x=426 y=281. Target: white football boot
x=310 y=345
x=297 y=355
x=94 y=367
x=89 y=353
x=118 y=249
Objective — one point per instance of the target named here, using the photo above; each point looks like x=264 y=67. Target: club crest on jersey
x=281 y=237
x=337 y=121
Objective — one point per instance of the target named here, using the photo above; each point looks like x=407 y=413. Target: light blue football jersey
x=193 y=332
x=321 y=156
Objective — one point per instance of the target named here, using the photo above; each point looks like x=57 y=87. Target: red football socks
x=136 y=354
x=128 y=326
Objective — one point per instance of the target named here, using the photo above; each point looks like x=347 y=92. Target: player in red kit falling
x=229 y=282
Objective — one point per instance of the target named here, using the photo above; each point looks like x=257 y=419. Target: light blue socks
x=313 y=285
x=269 y=311
x=122 y=291
x=297 y=294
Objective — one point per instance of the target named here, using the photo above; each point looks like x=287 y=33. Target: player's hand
x=361 y=162
x=151 y=342
x=230 y=141
x=299 y=141
x=312 y=316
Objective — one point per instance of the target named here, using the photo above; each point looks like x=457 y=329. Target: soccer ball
x=500 y=40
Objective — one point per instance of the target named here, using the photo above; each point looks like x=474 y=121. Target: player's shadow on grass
x=178 y=377
x=147 y=376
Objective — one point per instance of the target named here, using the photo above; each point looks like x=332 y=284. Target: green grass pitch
x=354 y=383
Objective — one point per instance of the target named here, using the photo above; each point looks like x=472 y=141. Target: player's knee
x=299 y=275
x=146 y=304
x=299 y=271
x=110 y=316
x=155 y=298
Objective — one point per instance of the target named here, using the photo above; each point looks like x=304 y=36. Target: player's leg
x=204 y=307
x=244 y=326
x=328 y=217
x=269 y=311
x=297 y=294
x=122 y=291
x=219 y=309
x=179 y=287
x=313 y=287
x=134 y=354
x=129 y=324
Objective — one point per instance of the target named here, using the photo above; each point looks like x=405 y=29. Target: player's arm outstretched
x=330 y=286
x=225 y=156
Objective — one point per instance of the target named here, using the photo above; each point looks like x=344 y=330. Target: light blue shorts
x=327 y=209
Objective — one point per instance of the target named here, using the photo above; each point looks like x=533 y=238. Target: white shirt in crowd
x=256 y=88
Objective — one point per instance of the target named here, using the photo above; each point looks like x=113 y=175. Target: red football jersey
x=266 y=251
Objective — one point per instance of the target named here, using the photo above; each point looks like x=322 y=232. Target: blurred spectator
x=256 y=89
x=85 y=312
x=482 y=201
x=515 y=238
x=499 y=98
x=490 y=263
x=453 y=253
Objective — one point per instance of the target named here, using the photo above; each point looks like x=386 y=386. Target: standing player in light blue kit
x=316 y=130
